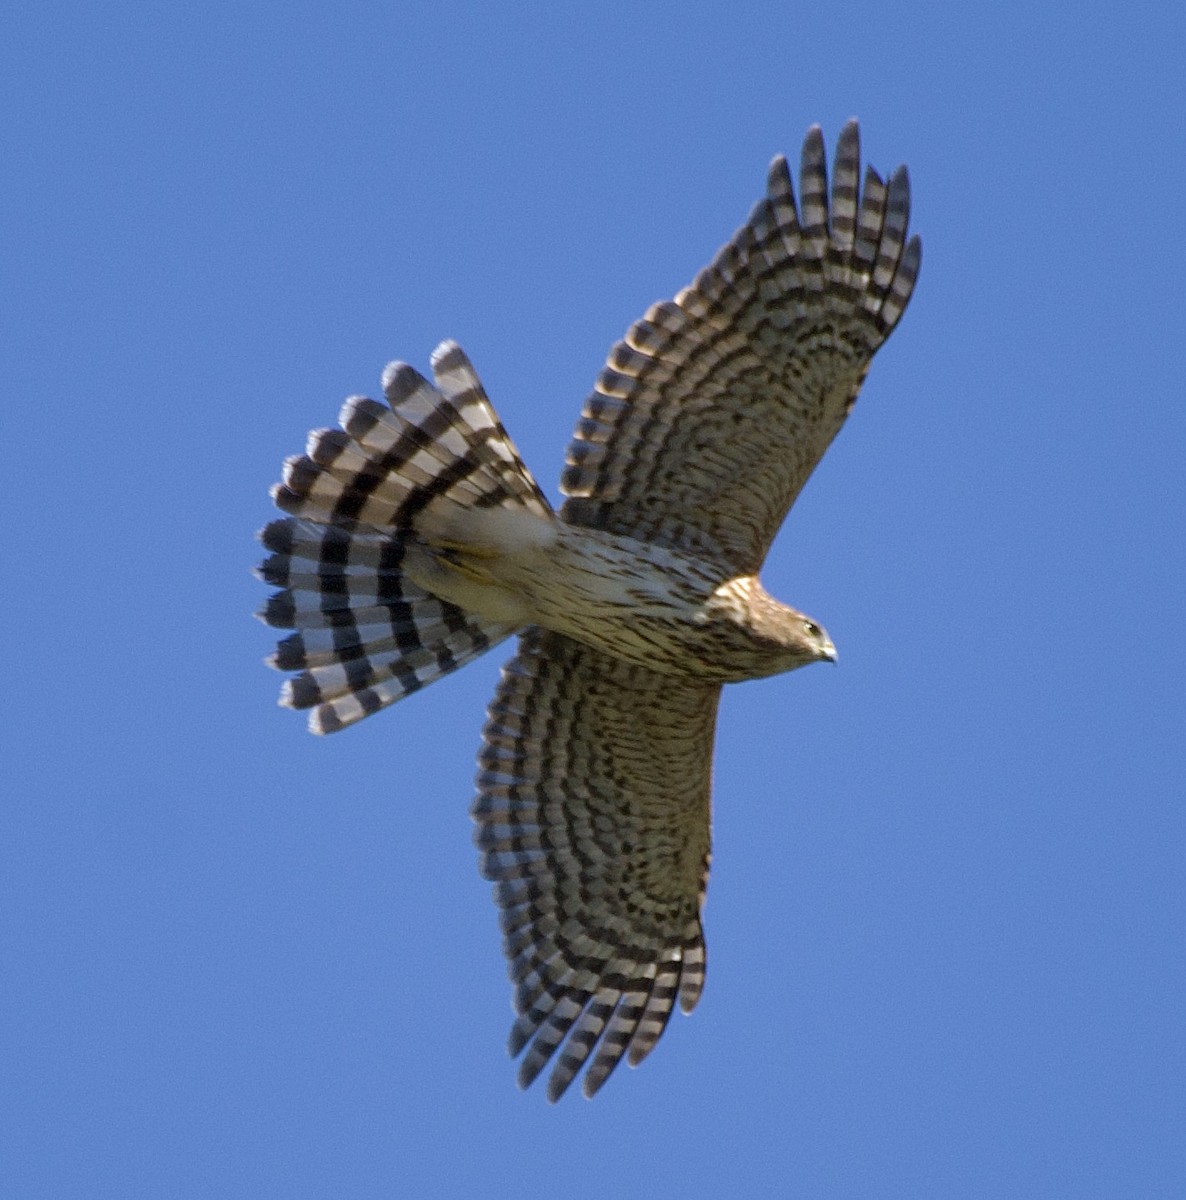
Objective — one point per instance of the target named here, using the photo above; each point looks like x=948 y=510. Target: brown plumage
x=418 y=539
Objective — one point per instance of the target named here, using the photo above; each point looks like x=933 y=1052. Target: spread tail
x=365 y=634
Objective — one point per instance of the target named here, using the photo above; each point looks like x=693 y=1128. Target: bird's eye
x=811 y=629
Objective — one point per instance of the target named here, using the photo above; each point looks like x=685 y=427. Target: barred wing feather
x=709 y=417
x=593 y=818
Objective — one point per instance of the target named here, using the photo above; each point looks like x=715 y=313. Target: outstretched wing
x=709 y=417
x=593 y=819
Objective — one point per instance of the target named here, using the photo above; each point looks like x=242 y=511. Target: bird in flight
x=417 y=539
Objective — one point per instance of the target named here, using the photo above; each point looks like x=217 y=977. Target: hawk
x=416 y=539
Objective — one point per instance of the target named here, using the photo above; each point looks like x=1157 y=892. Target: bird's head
x=795 y=639
x=811 y=637
x=776 y=637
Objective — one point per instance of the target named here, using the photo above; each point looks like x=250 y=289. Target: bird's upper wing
x=709 y=417
x=593 y=819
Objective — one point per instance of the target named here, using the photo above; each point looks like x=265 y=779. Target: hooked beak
x=828 y=653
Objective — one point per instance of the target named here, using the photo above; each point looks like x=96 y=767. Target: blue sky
x=945 y=922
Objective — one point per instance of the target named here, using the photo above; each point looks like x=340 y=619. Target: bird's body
x=418 y=539
x=641 y=602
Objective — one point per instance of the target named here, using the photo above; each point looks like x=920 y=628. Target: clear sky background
x=945 y=924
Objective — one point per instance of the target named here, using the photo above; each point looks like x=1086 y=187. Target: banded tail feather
x=365 y=634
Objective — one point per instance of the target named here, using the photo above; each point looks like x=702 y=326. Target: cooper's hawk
x=417 y=539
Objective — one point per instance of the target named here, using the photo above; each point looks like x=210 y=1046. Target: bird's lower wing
x=593 y=820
